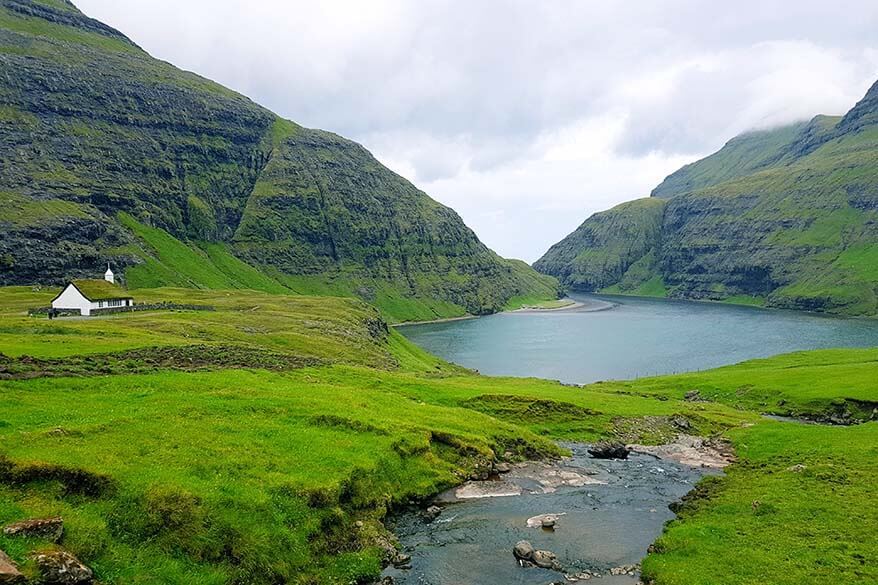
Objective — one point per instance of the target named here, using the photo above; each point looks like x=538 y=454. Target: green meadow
x=266 y=440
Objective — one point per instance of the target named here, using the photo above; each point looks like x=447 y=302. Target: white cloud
x=524 y=116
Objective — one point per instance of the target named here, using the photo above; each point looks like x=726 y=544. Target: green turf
x=178 y=472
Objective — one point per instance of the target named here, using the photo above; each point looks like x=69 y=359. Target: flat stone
x=47 y=528
x=9 y=573
x=487 y=489
x=544 y=520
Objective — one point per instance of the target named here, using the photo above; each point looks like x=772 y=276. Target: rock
x=630 y=570
x=502 y=467
x=797 y=468
x=544 y=520
x=606 y=450
x=431 y=513
x=9 y=573
x=523 y=550
x=693 y=396
x=46 y=528
x=391 y=554
x=681 y=422
x=62 y=568
x=545 y=560
x=388 y=580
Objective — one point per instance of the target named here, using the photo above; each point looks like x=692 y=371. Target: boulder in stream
x=607 y=450
x=546 y=560
x=431 y=513
x=523 y=550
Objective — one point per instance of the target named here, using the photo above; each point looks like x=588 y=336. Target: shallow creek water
x=610 y=512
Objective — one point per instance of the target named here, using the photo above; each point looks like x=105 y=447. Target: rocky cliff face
x=786 y=217
x=609 y=247
x=92 y=127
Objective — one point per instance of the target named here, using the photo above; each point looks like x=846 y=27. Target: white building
x=89 y=295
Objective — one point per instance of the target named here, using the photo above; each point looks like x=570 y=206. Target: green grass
x=248 y=475
x=170 y=262
x=765 y=522
x=792 y=384
x=173 y=263
x=42 y=28
x=22 y=211
x=752 y=301
x=304 y=326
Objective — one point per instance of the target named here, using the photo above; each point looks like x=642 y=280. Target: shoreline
x=568 y=307
x=592 y=306
x=442 y=320
x=589 y=306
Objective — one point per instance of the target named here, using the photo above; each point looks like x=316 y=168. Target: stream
x=608 y=513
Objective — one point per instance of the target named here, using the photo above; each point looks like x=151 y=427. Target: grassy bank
x=190 y=468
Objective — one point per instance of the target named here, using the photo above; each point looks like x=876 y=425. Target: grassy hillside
x=619 y=245
x=265 y=441
x=782 y=218
x=109 y=155
x=746 y=154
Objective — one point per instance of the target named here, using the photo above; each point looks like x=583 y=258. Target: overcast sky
x=524 y=116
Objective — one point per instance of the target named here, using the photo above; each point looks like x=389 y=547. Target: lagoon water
x=632 y=337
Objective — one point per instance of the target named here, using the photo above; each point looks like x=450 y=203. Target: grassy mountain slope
x=170 y=463
x=785 y=218
x=746 y=154
x=610 y=247
x=98 y=138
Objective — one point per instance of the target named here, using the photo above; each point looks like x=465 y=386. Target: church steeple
x=109 y=276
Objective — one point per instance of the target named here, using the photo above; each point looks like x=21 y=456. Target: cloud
x=524 y=116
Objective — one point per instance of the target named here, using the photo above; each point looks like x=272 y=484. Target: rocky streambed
x=596 y=517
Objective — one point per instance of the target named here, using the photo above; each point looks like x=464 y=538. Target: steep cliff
x=785 y=217
x=110 y=155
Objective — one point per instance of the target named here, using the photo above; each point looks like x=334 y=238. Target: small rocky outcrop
x=431 y=513
x=607 y=450
x=527 y=556
x=45 y=528
x=546 y=560
x=629 y=570
x=9 y=573
x=694 y=396
x=523 y=551
x=502 y=467
x=62 y=568
x=391 y=553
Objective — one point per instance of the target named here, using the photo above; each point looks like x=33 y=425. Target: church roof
x=100 y=290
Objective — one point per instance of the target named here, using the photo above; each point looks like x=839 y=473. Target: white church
x=90 y=295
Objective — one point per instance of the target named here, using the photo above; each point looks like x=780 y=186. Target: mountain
x=785 y=217
x=110 y=155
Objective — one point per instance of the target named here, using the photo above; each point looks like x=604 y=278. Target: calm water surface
x=636 y=337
